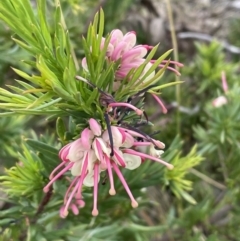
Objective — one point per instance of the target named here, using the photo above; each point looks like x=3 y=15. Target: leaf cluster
x=205 y=71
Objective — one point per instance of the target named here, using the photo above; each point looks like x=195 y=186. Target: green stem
x=223 y=165
x=176 y=58
x=207 y=179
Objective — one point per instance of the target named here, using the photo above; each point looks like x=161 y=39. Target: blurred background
x=196 y=130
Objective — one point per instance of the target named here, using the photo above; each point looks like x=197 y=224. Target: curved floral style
x=97 y=151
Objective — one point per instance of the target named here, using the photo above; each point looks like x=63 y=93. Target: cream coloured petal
x=118 y=157
x=76 y=151
x=89 y=179
x=103 y=167
x=103 y=146
x=116 y=135
x=92 y=158
x=98 y=149
x=95 y=148
x=143 y=149
x=219 y=101
x=77 y=168
x=150 y=76
x=129 y=140
x=159 y=153
x=132 y=161
x=154 y=152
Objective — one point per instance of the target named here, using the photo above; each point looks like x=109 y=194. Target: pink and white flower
x=219 y=101
x=123 y=48
x=92 y=154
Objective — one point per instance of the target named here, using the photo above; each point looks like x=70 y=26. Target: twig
x=223 y=165
x=44 y=201
x=208 y=179
x=175 y=54
x=205 y=37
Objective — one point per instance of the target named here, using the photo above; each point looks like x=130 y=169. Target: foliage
x=197 y=200
x=234 y=32
x=207 y=67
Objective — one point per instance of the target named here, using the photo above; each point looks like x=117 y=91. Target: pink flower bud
x=218 y=102
x=95 y=127
x=86 y=137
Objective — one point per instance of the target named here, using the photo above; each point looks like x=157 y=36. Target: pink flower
x=219 y=101
x=92 y=154
x=123 y=48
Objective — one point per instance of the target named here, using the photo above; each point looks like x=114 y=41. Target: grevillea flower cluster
x=99 y=150
x=123 y=48
x=112 y=148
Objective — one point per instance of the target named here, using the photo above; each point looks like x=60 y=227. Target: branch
x=205 y=37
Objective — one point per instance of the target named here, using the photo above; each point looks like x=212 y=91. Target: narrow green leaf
x=63 y=94
x=25 y=46
x=46 y=97
x=47 y=73
x=43 y=23
x=43 y=148
x=222 y=136
x=165 y=85
x=92 y=97
x=29 y=10
x=20 y=91
x=34 y=112
x=188 y=197
x=61 y=129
